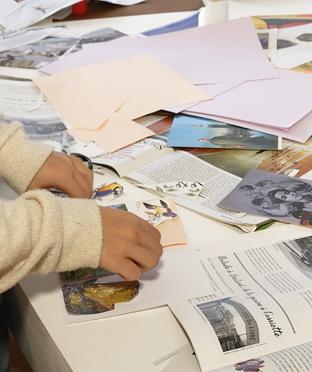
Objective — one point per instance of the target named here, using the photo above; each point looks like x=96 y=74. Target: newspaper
x=293 y=359
x=17 y=14
x=257 y=314
x=217 y=184
x=15 y=39
x=23 y=60
x=22 y=101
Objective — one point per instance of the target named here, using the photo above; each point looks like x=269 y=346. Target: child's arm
x=42 y=233
x=21 y=165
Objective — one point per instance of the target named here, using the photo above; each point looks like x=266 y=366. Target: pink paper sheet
x=215 y=53
x=213 y=90
x=148 y=85
x=116 y=133
x=277 y=103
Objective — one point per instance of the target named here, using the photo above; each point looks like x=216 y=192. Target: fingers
x=150 y=230
x=129 y=270
x=130 y=245
x=145 y=258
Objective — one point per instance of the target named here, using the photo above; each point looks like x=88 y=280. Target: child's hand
x=65 y=173
x=131 y=246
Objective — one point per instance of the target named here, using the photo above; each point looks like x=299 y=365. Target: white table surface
x=132 y=342
x=128 y=343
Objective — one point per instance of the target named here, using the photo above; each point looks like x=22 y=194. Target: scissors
x=65 y=149
x=65 y=144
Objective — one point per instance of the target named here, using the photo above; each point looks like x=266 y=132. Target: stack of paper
x=278 y=106
x=203 y=55
x=99 y=102
x=247 y=90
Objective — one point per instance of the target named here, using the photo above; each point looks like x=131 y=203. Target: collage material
x=190 y=131
x=275 y=196
x=244 y=60
x=90 y=294
x=273 y=102
x=162 y=214
x=156 y=211
x=300 y=132
x=186 y=189
x=129 y=81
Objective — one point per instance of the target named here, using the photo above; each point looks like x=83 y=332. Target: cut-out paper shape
x=92 y=298
x=156 y=211
x=113 y=189
x=185 y=189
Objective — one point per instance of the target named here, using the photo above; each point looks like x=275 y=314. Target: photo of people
x=191 y=131
x=278 y=197
x=232 y=322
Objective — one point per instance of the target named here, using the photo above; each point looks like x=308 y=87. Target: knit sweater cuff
x=20 y=159
x=82 y=234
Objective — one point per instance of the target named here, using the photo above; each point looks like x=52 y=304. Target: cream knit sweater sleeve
x=38 y=231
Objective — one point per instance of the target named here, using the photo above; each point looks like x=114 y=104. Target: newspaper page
x=22 y=101
x=261 y=302
x=28 y=12
x=181 y=165
x=22 y=55
x=15 y=39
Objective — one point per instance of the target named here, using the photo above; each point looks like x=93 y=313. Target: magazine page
x=293 y=46
x=294 y=359
x=134 y=156
x=267 y=7
x=282 y=198
x=262 y=299
x=181 y=165
x=22 y=101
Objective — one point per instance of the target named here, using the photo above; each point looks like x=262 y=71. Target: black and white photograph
x=36 y=55
x=299 y=252
x=232 y=322
x=278 y=197
x=43 y=130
